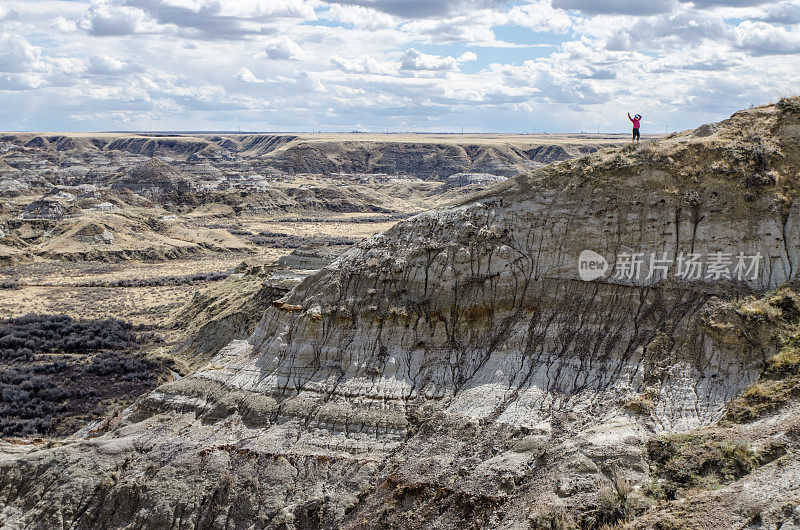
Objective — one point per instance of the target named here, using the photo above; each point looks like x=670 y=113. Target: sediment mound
x=457 y=370
x=423 y=160
x=77 y=144
x=155 y=145
x=308 y=258
x=257 y=144
x=480 y=180
x=46 y=208
x=155 y=180
x=105 y=233
x=38 y=141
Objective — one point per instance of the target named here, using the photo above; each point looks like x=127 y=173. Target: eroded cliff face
x=455 y=370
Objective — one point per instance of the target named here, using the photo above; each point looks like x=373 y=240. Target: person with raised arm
x=635 y=120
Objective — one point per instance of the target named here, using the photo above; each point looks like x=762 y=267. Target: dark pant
x=635 y=135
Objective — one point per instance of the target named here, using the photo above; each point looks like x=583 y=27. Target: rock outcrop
x=456 y=370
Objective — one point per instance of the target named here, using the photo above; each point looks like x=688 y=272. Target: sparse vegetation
x=789 y=104
x=699 y=460
x=615 y=505
x=187 y=279
x=780 y=382
x=640 y=405
x=552 y=518
x=282 y=240
x=11 y=283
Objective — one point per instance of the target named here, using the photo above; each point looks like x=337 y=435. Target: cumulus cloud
x=467 y=57
x=364 y=65
x=17 y=55
x=247 y=76
x=361 y=17
x=727 y=3
x=107 y=19
x=469 y=30
x=540 y=16
x=105 y=65
x=708 y=57
x=761 y=38
x=676 y=31
x=283 y=49
x=20 y=81
x=418 y=61
x=548 y=81
x=218 y=19
x=302 y=9
x=63 y=25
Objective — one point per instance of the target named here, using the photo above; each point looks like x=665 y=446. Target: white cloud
x=108 y=19
x=676 y=32
x=416 y=60
x=250 y=8
x=221 y=19
x=423 y=8
x=283 y=48
x=20 y=81
x=727 y=3
x=781 y=13
x=103 y=64
x=761 y=38
x=364 y=65
x=540 y=16
x=17 y=55
x=467 y=57
x=247 y=76
x=361 y=17
x=472 y=29
x=63 y=25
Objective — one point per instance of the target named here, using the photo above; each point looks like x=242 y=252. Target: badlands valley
x=390 y=331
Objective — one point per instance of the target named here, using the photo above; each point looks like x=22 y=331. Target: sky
x=391 y=65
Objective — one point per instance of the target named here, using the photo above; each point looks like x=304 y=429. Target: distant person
x=635 y=120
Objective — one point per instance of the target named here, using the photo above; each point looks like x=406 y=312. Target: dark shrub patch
x=11 y=283
x=188 y=279
x=57 y=373
x=25 y=336
x=281 y=240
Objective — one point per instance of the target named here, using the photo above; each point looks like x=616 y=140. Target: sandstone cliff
x=455 y=371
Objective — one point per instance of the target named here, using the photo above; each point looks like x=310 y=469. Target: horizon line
x=244 y=133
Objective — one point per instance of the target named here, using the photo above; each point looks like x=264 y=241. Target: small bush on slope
x=691 y=460
x=789 y=104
